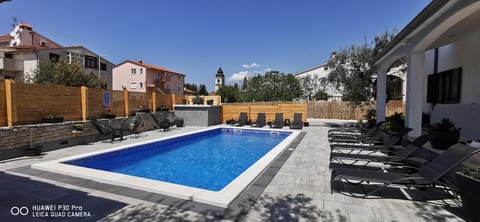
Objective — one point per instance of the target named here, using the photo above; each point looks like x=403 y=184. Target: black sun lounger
x=427 y=176
x=260 y=121
x=372 y=144
x=297 y=122
x=278 y=122
x=242 y=119
x=399 y=155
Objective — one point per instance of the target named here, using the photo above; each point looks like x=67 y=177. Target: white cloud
x=252 y=65
x=238 y=76
x=267 y=69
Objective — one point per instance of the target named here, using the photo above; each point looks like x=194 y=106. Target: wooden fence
x=3 y=105
x=318 y=109
x=232 y=111
x=346 y=110
x=22 y=103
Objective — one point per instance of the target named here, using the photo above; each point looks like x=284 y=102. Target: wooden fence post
x=173 y=101
x=125 y=100
x=154 y=101
x=10 y=102
x=83 y=96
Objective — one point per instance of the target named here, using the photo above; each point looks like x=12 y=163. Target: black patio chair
x=427 y=176
x=170 y=116
x=260 y=121
x=131 y=125
x=105 y=128
x=160 y=119
x=297 y=122
x=242 y=119
x=391 y=156
x=278 y=122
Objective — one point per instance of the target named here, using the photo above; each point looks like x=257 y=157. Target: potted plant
x=371 y=117
x=179 y=122
x=395 y=122
x=51 y=118
x=197 y=100
x=443 y=134
x=468 y=182
x=78 y=126
x=108 y=115
x=162 y=109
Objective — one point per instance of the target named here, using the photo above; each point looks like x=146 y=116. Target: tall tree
x=64 y=73
x=245 y=83
x=273 y=86
x=229 y=94
x=202 y=90
x=310 y=86
x=192 y=86
x=352 y=68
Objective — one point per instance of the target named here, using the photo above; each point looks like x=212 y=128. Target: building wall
x=25 y=37
x=321 y=72
x=176 y=83
x=173 y=83
x=122 y=77
x=463 y=53
x=30 y=62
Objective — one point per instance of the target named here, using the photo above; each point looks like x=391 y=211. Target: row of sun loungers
x=362 y=157
x=261 y=121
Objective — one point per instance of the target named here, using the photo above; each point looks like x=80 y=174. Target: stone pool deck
x=294 y=188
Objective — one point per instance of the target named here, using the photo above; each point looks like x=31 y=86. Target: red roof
x=187 y=91
x=23 y=24
x=148 y=66
x=4 y=38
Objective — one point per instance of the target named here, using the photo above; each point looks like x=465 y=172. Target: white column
x=415 y=92
x=381 y=94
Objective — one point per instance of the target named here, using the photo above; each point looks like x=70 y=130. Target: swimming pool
x=208 y=160
x=211 y=166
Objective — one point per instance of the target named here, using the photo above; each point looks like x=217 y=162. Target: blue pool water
x=208 y=160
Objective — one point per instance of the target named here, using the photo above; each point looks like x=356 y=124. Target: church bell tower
x=219 y=79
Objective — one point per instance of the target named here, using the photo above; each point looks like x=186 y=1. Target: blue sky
x=195 y=37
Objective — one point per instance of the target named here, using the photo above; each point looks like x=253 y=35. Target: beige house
x=136 y=76
x=23 y=49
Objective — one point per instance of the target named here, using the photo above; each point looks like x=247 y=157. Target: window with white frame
x=134 y=71
x=140 y=84
x=141 y=71
x=133 y=85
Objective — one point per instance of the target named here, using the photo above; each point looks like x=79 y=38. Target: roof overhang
x=401 y=39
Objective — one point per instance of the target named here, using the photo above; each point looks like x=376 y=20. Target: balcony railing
x=11 y=64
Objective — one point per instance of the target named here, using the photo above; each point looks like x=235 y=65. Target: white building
x=321 y=71
x=441 y=46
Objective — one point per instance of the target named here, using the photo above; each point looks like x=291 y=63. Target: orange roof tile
x=148 y=66
x=23 y=24
x=188 y=91
x=4 y=38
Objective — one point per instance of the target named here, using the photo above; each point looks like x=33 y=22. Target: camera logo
x=19 y=211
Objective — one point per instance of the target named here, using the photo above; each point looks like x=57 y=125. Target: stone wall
x=16 y=141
